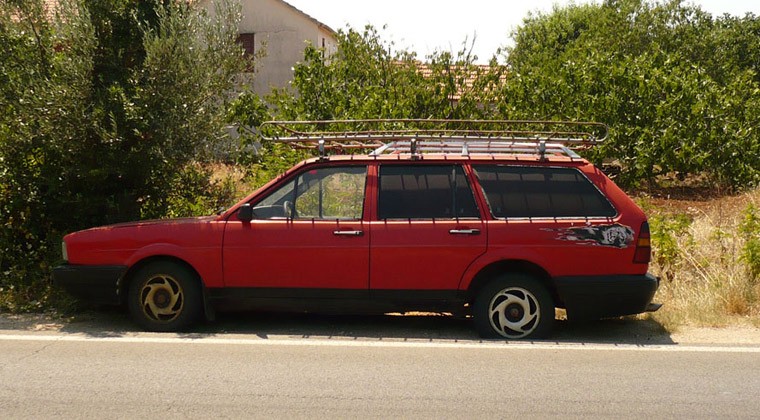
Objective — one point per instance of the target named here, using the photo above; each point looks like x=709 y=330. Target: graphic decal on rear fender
x=617 y=235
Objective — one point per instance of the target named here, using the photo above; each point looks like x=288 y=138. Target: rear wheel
x=165 y=296
x=514 y=306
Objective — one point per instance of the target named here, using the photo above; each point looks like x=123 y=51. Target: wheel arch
x=136 y=267
x=492 y=270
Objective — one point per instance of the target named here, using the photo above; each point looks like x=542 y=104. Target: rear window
x=521 y=191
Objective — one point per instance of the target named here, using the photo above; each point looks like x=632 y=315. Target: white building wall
x=282 y=31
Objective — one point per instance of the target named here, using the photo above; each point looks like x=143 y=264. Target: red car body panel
x=197 y=241
x=295 y=253
x=422 y=255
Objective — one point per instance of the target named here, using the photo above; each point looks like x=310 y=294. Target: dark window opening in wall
x=323 y=42
x=248 y=42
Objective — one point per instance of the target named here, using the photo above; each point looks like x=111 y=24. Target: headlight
x=63 y=251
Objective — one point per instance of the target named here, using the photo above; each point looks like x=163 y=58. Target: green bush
x=667 y=233
x=749 y=230
x=104 y=110
x=679 y=88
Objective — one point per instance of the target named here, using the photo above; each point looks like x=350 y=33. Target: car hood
x=179 y=221
x=117 y=244
x=165 y=225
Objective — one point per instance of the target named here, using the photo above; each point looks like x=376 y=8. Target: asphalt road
x=111 y=373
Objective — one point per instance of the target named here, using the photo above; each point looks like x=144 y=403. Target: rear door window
x=425 y=192
x=523 y=191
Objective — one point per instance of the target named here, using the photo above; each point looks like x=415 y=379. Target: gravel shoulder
x=107 y=323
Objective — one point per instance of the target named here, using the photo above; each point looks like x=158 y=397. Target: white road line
x=366 y=342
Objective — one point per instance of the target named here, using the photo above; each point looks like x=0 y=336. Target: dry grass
x=698 y=253
x=235 y=175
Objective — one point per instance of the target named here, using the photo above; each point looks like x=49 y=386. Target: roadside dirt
x=109 y=323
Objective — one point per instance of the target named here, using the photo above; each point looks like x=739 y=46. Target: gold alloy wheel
x=161 y=298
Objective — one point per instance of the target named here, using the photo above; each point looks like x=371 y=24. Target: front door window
x=332 y=193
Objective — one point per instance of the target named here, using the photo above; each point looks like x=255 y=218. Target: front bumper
x=91 y=283
x=596 y=297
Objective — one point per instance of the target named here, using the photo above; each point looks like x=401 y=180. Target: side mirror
x=245 y=213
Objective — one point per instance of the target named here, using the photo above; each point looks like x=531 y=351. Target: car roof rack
x=417 y=136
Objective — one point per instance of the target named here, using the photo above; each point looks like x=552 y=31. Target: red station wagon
x=500 y=220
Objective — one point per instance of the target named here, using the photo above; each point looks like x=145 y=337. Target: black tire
x=165 y=296
x=526 y=306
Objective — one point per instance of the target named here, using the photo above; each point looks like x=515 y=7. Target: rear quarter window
x=524 y=191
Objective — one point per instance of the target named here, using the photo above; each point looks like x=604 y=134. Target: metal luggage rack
x=417 y=136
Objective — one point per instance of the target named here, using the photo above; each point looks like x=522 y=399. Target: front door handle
x=465 y=231
x=348 y=233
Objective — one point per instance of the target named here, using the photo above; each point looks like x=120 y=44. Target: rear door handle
x=465 y=231
x=348 y=232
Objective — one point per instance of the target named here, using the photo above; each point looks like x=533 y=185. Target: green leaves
x=678 y=88
x=367 y=78
x=749 y=231
x=105 y=108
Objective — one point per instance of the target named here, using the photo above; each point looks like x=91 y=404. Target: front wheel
x=514 y=306
x=165 y=296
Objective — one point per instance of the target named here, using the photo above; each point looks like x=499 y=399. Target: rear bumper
x=91 y=283
x=595 y=297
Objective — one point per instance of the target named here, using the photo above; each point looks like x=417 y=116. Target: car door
x=306 y=234
x=427 y=229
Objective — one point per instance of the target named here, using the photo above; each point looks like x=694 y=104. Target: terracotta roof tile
x=470 y=77
x=50 y=7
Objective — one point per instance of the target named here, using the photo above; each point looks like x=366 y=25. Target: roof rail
x=417 y=136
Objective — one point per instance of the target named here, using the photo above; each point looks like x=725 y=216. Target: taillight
x=643 y=245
